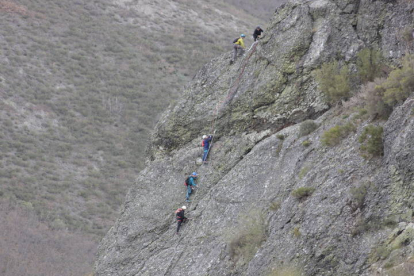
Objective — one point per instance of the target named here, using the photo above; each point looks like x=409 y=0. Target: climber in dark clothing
x=206 y=145
x=257 y=33
x=180 y=217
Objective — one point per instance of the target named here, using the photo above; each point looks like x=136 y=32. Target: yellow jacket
x=240 y=42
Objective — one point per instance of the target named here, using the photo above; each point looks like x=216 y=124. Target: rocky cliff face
x=357 y=218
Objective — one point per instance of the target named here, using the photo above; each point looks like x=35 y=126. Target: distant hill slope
x=263 y=9
x=82 y=84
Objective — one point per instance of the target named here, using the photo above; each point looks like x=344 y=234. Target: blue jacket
x=207 y=142
x=191 y=181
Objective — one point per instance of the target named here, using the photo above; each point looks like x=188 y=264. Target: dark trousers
x=179 y=222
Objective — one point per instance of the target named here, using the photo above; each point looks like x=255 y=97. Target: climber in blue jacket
x=190 y=183
x=206 y=145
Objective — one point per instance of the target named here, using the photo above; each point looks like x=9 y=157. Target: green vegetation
x=382 y=88
x=307 y=127
x=284 y=272
x=362 y=112
x=371 y=141
x=374 y=93
x=380 y=253
x=245 y=240
x=362 y=224
x=306 y=143
x=400 y=83
x=39 y=249
x=383 y=94
x=334 y=135
x=333 y=81
x=296 y=232
x=303 y=192
x=275 y=205
x=369 y=65
x=264 y=10
x=304 y=171
x=393 y=246
x=358 y=194
x=279 y=146
x=334 y=78
x=87 y=82
x=281 y=137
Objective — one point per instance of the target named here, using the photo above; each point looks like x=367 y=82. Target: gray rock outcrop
x=245 y=219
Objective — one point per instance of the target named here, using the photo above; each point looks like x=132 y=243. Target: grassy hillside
x=28 y=247
x=81 y=85
x=262 y=9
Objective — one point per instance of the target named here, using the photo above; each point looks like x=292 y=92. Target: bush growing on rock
x=360 y=115
x=371 y=141
x=400 y=83
x=296 y=232
x=358 y=194
x=373 y=92
x=281 y=137
x=382 y=94
x=333 y=81
x=303 y=172
x=306 y=143
x=334 y=135
x=303 y=192
x=307 y=127
x=369 y=64
x=275 y=205
x=245 y=240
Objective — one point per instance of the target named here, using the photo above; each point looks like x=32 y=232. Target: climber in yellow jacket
x=238 y=44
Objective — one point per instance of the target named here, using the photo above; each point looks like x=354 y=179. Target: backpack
x=187 y=181
x=202 y=143
x=234 y=41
